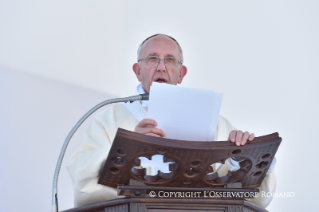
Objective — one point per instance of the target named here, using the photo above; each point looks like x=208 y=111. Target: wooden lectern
x=192 y=183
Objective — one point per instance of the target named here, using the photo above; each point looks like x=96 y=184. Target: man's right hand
x=148 y=127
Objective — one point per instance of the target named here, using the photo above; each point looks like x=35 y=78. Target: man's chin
x=157 y=82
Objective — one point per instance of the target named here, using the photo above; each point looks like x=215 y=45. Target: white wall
x=36 y=114
x=263 y=55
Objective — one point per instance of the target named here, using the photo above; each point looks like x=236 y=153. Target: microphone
x=145 y=96
x=54 y=205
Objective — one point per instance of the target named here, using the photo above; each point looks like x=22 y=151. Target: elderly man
x=160 y=59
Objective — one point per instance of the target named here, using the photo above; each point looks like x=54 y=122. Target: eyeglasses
x=153 y=61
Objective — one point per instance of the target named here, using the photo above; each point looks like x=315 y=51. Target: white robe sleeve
x=85 y=164
x=269 y=182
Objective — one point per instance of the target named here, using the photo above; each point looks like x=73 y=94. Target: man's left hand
x=240 y=138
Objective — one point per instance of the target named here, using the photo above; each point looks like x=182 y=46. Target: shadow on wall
x=36 y=114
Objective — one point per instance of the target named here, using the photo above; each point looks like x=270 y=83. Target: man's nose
x=161 y=66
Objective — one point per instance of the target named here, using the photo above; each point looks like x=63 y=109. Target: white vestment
x=86 y=162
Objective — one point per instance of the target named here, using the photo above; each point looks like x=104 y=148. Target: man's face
x=163 y=47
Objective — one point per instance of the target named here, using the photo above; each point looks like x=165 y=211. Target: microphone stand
x=54 y=205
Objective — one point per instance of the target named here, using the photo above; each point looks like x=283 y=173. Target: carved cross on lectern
x=156 y=163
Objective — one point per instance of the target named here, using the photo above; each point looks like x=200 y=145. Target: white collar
x=139 y=90
x=138 y=108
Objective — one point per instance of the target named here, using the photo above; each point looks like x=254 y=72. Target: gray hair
x=179 y=47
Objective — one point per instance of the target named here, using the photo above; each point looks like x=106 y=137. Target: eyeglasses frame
x=158 y=60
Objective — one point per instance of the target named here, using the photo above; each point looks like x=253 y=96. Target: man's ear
x=182 y=73
x=137 y=71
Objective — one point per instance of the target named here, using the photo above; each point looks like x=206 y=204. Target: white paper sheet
x=184 y=113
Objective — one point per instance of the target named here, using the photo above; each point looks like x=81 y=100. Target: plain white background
x=59 y=58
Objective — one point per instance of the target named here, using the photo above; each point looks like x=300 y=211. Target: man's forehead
x=160 y=42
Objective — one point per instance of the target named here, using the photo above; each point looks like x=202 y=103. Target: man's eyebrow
x=170 y=55
x=155 y=54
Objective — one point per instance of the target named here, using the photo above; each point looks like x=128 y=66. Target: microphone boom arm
x=54 y=205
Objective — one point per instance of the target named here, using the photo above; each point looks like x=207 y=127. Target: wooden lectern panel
x=190 y=170
x=191 y=161
x=170 y=205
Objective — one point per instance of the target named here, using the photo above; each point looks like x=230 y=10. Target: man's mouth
x=161 y=80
